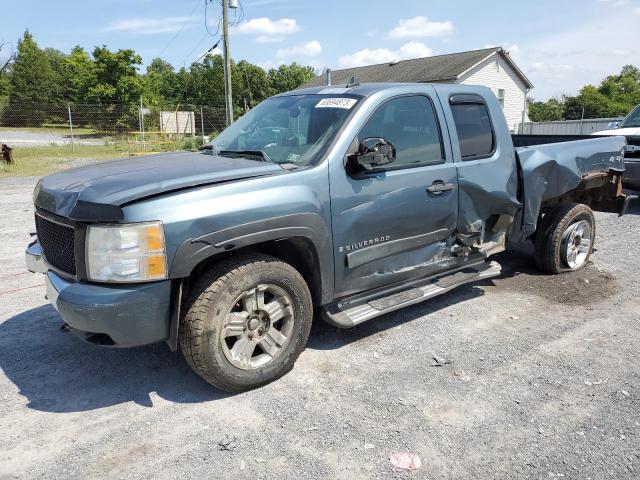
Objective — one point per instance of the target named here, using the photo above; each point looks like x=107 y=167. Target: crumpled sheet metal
x=483 y=195
x=549 y=171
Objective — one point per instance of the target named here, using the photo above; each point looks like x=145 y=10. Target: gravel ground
x=543 y=383
x=23 y=138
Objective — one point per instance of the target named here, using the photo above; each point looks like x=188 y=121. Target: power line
x=195 y=5
x=208 y=51
x=190 y=54
x=206 y=23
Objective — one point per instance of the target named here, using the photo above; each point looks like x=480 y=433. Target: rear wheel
x=565 y=237
x=247 y=320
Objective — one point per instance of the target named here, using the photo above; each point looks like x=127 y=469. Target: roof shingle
x=440 y=68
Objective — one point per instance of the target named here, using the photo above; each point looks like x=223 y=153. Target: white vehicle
x=629 y=126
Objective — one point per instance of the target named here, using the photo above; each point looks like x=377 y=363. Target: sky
x=560 y=45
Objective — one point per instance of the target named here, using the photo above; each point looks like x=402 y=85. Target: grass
x=38 y=161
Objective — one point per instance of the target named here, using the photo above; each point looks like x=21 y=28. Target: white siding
x=494 y=72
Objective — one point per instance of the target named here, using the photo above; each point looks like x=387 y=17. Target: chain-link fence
x=130 y=128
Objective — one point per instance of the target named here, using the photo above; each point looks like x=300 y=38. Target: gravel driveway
x=24 y=138
x=544 y=383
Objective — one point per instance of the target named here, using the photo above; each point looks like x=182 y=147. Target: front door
x=396 y=223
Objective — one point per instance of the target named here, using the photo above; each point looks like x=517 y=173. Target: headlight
x=126 y=253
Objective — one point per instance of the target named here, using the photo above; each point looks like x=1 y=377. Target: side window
x=475 y=133
x=410 y=124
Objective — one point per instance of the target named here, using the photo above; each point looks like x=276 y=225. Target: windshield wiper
x=247 y=154
x=209 y=148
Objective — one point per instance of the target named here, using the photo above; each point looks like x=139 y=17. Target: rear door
x=396 y=222
x=486 y=161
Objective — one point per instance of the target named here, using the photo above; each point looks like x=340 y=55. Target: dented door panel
x=387 y=226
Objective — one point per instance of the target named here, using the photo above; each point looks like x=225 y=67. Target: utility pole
x=227 y=62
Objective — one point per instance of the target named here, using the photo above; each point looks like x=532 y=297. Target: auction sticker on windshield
x=336 y=103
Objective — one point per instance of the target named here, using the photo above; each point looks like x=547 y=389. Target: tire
x=234 y=346
x=558 y=238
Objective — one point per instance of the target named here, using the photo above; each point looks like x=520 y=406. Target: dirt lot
x=544 y=383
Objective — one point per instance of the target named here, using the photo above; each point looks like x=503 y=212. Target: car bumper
x=108 y=315
x=631 y=176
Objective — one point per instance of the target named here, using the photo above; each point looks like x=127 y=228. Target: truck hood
x=632 y=131
x=96 y=192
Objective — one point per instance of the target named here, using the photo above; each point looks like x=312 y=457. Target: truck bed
x=633 y=141
x=550 y=170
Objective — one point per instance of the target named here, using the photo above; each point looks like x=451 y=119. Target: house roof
x=440 y=68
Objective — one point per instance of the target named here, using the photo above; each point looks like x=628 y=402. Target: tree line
x=616 y=96
x=37 y=75
x=47 y=76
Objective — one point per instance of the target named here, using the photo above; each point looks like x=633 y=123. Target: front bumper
x=631 y=177
x=109 y=315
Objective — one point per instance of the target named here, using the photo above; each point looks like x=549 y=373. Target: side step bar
x=348 y=315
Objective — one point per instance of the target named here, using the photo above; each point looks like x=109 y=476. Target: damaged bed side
x=551 y=174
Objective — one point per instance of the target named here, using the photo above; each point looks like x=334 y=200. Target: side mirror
x=613 y=125
x=373 y=152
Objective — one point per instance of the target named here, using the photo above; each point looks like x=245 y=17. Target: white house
x=491 y=67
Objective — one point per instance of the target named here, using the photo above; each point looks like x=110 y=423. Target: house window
x=501 y=97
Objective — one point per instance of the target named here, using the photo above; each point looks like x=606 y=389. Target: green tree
x=289 y=77
x=6 y=62
x=622 y=91
x=58 y=83
x=206 y=83
x=117 y=78
x=161 y=83
x=81 y=75
x=32 y=78
x=551 y=110
x=590 y=100
x=250 y=84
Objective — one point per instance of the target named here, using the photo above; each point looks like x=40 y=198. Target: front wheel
x=247 y=320
x=565 y=237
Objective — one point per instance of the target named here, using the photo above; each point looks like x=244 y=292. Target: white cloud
x=268 y=39
x=264 y=26
x=419 y=27
x=636 y=11
x=565 y=61
x=513 y=49
x=382 y=55
x=415 y=50
x=148 y=25
x=309 y=49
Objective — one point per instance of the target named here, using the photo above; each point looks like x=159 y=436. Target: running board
x=347 y=315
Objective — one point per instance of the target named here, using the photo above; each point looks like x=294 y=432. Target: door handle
x=439 y=187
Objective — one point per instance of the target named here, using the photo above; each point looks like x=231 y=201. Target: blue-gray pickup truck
x=347 y=202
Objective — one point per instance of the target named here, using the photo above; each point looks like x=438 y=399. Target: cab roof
x=360 y=89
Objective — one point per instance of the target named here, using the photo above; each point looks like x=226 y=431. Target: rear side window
x=475 y=133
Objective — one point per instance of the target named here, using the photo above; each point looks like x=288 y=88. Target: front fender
x=201 y=223
x=306 y=225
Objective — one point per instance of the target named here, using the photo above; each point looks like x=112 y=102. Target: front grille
x=633 y=148
x=58 y=244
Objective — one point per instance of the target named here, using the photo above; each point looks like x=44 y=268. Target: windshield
x=632 y=120
x=294 y=129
